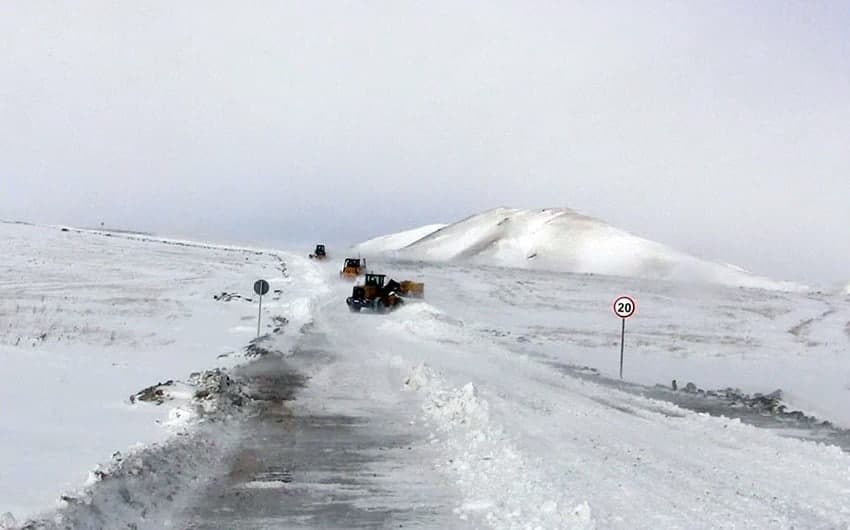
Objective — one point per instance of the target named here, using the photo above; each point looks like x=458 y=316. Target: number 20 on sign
x=624 y=307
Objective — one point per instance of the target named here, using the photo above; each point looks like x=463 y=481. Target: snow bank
x=139 y=488
x=501 y=487
x=560 y=239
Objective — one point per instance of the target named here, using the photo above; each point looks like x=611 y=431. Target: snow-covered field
x=87 y=320
x=480 y=370
x=717 y=337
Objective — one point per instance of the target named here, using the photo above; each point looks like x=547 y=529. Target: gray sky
x=722 y=128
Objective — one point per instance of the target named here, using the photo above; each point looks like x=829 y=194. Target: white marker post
x=261 y=287
x=624 y=307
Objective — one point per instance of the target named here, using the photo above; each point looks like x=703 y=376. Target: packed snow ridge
x=559 y=239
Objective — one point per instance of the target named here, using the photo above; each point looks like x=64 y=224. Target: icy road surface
x=457 y=412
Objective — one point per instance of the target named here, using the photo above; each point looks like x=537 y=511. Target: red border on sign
x=630 y=299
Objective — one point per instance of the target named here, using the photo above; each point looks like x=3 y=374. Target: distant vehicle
x=319 y=253
x=352 y=268
x=375 y=295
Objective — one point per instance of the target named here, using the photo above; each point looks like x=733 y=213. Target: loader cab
x=374 y=280
x=352 y=263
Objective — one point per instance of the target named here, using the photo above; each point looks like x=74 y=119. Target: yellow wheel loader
x=375 y=295
x=381 y=295
x=352 y=268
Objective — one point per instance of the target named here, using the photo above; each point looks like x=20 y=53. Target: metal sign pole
x=260 y=318
x=261 y=287
x=622 y=343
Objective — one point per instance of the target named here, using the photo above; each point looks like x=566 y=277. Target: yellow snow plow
x=381 y=295
x=352 y=268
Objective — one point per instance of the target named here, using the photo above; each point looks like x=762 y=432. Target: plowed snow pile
x=560 y=239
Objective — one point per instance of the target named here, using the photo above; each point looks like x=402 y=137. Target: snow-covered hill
x=560 y=239
x=397 y=240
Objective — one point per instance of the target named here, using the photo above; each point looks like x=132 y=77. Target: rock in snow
x=559 y=239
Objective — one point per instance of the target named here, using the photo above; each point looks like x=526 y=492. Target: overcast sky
x=721 y=128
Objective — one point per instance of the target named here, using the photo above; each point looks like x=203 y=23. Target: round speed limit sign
x=624 y=306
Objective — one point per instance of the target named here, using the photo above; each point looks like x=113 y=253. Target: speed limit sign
x=624 y=306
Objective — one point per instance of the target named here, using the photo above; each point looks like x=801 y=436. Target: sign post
x=624 y=307
x=261 y=287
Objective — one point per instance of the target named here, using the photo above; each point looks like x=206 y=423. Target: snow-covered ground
x=86 y=320
x=480 y=369
x=717 y=337
x=528 y=446
x=559 y=239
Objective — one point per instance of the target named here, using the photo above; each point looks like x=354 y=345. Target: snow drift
x=559 y=239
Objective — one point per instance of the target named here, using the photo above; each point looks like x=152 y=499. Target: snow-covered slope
x=560 y=239
x=395 y=241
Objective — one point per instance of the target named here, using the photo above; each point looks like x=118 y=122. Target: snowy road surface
x=300 y=465
x=455 y=411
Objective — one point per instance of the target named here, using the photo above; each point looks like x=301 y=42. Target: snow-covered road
x=318 y=462
x=456 y=411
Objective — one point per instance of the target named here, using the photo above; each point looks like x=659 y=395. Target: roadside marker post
x=261 y=287
x=624 y=307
